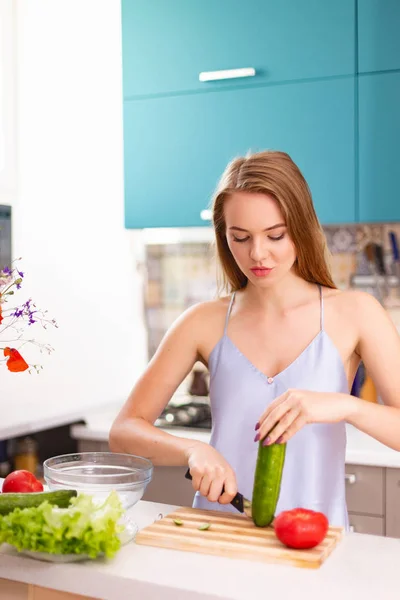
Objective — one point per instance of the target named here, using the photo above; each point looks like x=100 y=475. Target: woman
x=282 y=350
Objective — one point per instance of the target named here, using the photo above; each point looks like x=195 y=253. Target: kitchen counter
x=361 y=566
x=24 y=418
x=361 y=449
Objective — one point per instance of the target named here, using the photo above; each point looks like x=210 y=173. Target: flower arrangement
x=15 y=319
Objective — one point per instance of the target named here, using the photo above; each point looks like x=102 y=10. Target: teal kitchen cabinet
x=167 y=44
x=177 y=147
x=378 y=35
x=379 y=147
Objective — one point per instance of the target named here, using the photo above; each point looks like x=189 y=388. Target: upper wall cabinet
x=167 y=44
x=177 y=147
x=378 y=35
x=379 y=147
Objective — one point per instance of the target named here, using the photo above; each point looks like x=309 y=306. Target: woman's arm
x=133 y=431
x=379 y=348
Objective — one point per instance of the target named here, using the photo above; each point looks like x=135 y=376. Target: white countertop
x=361 y=449
x=361 y=566
x=27 y=417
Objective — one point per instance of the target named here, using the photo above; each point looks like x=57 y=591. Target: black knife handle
x=237 y=501
x=380 y=260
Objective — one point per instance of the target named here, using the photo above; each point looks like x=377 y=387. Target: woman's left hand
x=295 y=408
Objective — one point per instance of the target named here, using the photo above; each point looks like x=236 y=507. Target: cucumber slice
x=267 y=483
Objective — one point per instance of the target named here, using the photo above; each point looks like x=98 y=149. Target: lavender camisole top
x=314 y=470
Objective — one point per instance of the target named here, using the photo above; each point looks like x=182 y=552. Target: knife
x=381 y=267
x=396 y=256
x=369 y=251
x=241 y=503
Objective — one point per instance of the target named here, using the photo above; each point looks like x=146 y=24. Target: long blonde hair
x=273 y=173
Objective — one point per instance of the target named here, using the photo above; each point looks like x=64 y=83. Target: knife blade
x=241 y=503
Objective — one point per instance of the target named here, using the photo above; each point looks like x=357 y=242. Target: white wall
x=68 y=210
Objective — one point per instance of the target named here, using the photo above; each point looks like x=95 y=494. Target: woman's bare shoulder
x=210 y=311
x=204 y=324
x=355 y=303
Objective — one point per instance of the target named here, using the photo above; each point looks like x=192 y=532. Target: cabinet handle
x=350 y=477
x=226 y=74
x=206 y=215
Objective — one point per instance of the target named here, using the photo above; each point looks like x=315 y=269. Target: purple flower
x=20 y=273
x=7 y=271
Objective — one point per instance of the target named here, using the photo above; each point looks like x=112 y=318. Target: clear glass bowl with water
x=98 y=473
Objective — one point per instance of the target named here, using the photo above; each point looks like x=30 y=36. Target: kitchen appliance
x=231 y=535
x=195 y=414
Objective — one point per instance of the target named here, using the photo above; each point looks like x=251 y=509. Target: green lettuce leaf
x=85 y=527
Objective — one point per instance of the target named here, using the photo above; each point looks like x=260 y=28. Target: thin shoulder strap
x=229 y=312
x=321 y=307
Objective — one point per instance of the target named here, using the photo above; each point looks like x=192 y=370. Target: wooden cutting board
x=233 y=536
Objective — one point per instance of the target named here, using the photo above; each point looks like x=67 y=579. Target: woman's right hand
x=210 y=473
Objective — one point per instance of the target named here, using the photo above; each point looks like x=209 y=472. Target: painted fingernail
x=257 y=437
x=279 y=440
x=257 y=426
x=267 y=441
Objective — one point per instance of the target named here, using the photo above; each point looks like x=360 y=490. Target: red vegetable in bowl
x=301 y=527
x=21 y=481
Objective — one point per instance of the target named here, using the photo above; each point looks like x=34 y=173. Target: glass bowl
x=98 y=473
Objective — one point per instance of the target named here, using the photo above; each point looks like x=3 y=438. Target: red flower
x=15 y=363
x=1 y=317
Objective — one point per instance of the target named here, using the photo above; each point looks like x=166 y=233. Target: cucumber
x=11 y=501
x=267 y=483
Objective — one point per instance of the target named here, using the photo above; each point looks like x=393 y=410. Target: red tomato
x=37 y=486
x=21 y=481
x=301 y=527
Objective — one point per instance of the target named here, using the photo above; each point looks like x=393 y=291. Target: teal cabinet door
x=378 y=35
x=379 y=147
x=168 y=43
x=177 y=147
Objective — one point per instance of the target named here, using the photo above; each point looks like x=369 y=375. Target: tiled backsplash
x=181 y=274
x=346 y=245
x=178 y=276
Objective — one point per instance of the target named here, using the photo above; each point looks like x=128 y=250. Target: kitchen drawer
x=367 y=524
x=393 y=503
x=365 y=490
x=166 y=45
